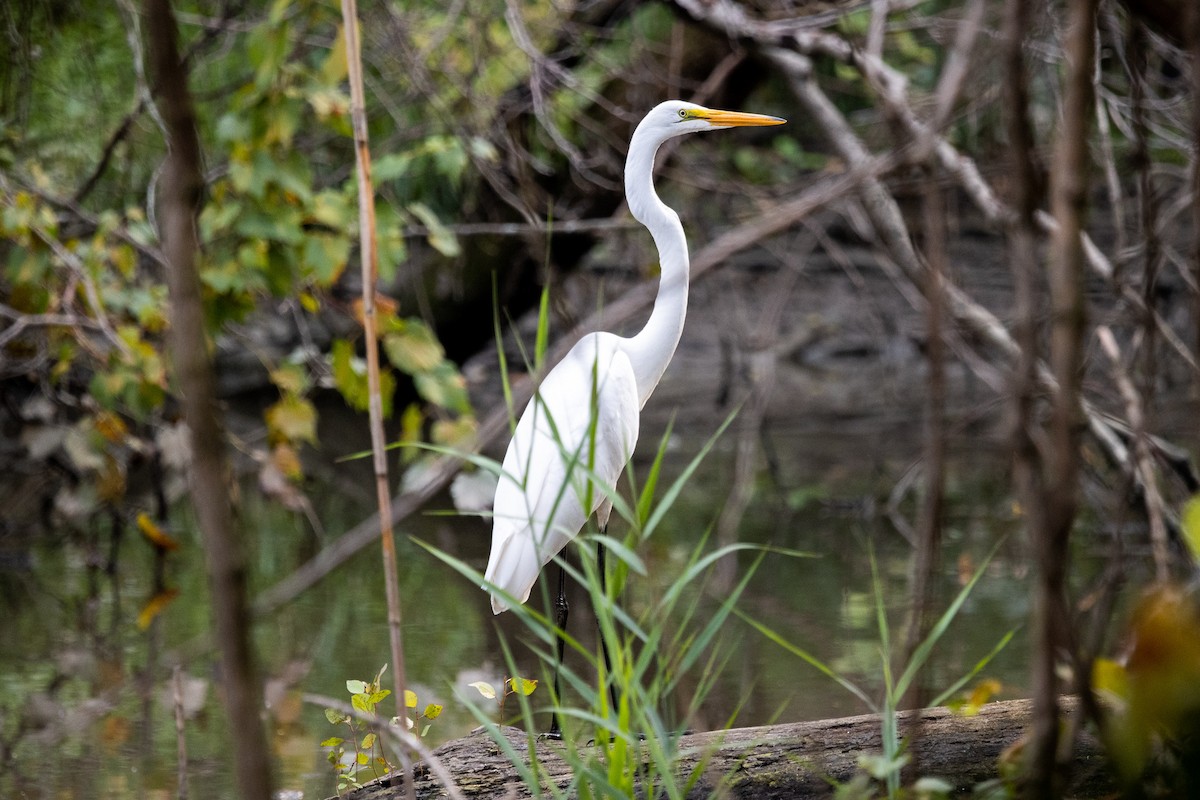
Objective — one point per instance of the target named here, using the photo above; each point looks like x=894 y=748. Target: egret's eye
x=683 y=113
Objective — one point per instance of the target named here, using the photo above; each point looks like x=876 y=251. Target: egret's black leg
x=612 y=686
x=561 y=609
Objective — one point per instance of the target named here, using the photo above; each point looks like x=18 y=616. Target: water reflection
x=88 y=698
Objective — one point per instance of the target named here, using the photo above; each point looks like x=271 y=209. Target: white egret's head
x=676 y=117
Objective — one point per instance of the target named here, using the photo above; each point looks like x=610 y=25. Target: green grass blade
x=672 y=493
x=646 y=497
x=951 y=690
x=543 y=330
x=925 y=648
x=804 y=655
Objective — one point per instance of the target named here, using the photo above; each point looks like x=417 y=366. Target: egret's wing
x=567 y=452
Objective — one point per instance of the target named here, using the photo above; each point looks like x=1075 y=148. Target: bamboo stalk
x=369 y=256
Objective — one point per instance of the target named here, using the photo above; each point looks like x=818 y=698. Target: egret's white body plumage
x=560 y=467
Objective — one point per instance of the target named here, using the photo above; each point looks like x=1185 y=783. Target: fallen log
x=793 y=760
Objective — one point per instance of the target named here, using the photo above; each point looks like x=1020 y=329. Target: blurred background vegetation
x=498 y=130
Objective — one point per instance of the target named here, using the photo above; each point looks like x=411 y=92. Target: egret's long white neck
x=651 y=349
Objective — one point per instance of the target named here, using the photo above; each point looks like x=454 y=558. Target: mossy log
x=799 y=759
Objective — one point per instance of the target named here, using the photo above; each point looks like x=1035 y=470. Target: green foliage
x=278 y=220
x=359 y=755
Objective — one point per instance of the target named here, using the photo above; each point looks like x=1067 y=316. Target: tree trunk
x=208 y=472
x=800 y=759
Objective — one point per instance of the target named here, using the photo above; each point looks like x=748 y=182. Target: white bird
x=579 y=431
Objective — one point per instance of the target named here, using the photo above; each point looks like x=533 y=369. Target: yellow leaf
x=110 y=483
x=310 y=304
x=115 y=732
x=290 y=378
x=522 y=685
x=1191 y=525
x=287 y=461
x=156 y=606
x=410 y=698
x=111 y=427
x=154 y=534
x=1110 y=679
x=432 y=711
x=292 y=419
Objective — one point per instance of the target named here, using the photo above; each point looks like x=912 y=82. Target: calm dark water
x=73 y=659
x=85 y=708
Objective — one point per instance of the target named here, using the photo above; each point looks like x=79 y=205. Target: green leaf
x=440 y=237
x=331 y=208
x=413 y=347
x=362 y=703
x=444 y=386
x=332 y=741
x=267 y=47
x=879 y=766
x=334 y=67
x=334 y=716
x=325 y=256
x=350 y=378
x=355 y=687
x=368 y=741
x=389 y=167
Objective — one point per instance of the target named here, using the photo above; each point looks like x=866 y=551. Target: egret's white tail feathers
x=513 y=567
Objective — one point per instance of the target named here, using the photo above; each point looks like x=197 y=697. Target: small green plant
x=359 y=755
x=514 y=685
x=663 y=643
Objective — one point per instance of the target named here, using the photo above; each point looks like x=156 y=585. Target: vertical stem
x=1027 y=457
x=1147 y=209
x=370 y=275
x=929 y=524
x=1193 y=39
x=181 y=756
x=208 y=472
x=1068 y=180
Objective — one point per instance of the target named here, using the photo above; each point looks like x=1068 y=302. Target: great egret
x=579 y=431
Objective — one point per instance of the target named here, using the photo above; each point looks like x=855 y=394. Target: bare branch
x=1143 y=461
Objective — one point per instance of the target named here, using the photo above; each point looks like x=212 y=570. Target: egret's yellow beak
x=737 y=119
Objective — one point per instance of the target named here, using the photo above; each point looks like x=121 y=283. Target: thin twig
x=368 y=252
